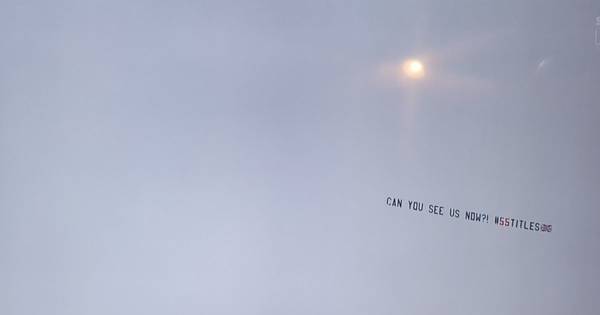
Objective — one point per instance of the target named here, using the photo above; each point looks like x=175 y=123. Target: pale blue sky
x=220 y=157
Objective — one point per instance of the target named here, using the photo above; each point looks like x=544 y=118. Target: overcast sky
x=196 y=157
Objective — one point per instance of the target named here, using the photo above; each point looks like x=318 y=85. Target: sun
x=413 y=69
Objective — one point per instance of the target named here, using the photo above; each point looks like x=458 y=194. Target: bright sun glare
x=413 y=69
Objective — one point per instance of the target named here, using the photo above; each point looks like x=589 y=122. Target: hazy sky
x=196 y=157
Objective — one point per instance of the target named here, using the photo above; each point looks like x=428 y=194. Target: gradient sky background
x=196 y=157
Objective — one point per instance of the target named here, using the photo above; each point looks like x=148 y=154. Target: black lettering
x=436 y=209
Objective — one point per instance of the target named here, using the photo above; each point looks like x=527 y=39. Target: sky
x=223 y=157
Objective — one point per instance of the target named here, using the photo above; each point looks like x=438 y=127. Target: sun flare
x=413 y=69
